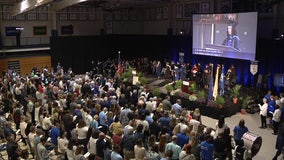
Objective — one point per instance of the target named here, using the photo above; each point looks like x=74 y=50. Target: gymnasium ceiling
x=104 y=4
x=60 y=4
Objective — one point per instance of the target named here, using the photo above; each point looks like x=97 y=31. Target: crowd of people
x=99 y=116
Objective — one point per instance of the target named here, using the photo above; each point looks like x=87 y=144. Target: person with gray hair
x=174 y=147
x=182 y=138
x=177 y=107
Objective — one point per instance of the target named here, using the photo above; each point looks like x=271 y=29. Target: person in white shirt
x=70 y=150
x=31 y=138
x=263 y=113
x=81 y=132
x=46 y=123
x=36 y=115
x=221 y=125
x=23 y=126
x=276 y=119
x=88 y=117
x=194 y=123
x=62 y=144
x=92 y=148
x=139 y=151
x=30 y=106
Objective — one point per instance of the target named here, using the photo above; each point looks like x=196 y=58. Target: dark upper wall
x=78 y=51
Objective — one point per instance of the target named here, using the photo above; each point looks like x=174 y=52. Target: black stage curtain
x=78 y=51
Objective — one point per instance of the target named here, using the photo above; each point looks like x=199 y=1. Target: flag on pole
x=216 y=84
x=221 y=82
x=210 y=94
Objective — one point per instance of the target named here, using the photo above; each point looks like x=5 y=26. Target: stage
x=228 y=110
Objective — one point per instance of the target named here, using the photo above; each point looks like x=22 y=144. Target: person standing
x=207 y=148
x=115 y=155
x=276 y=119
x=12 y=148
x=239 y=131
x=100 y=146
x=158 y=69
x=220 y=125
x=41 y=149
x=177 y=107
x=263 y=113
x=127 y=144
x=103 y=120
x=54 y=134
x=279 y=142
x=176 y=149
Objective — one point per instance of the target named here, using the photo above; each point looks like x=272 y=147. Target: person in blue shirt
x=165 y=120
x=182 y=138
x=239 y=131
x=103 y=119
x=54 y=134
x=207 y=148
x=115 y=154
x=271 y=106
x=267 y=96
x=177 y=107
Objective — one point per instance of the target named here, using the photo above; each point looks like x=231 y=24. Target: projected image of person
x=232 y=39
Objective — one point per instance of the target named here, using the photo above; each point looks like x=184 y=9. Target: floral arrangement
x=192 y=97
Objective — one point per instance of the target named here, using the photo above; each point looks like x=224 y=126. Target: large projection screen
x=231 y=35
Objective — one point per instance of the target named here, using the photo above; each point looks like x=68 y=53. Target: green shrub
x=143 y=80
x=245 y=102
x=235 y=92
x=169 y=88
x=220 y=100
x=178 y=84
x=156 y=92
x=193 y=88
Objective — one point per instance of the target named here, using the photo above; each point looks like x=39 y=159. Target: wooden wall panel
x=27 y=63
x=3 y=65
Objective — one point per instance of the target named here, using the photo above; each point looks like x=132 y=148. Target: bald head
x=174 y=138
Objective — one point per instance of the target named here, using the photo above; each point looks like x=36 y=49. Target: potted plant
x=178 y=84
x=192 y=97
x=126 y=76
x=220 y=101
x=143 y=80
x=235 y=92
x=156 y=92
x=245 y=105
x=192 y=88
x=201 y=96
x=169 y=88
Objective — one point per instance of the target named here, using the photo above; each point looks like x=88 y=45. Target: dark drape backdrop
x=78 y=51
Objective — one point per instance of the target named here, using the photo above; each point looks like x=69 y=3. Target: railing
x=11 y=41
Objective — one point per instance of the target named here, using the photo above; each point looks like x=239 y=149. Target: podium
x=185 y=85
